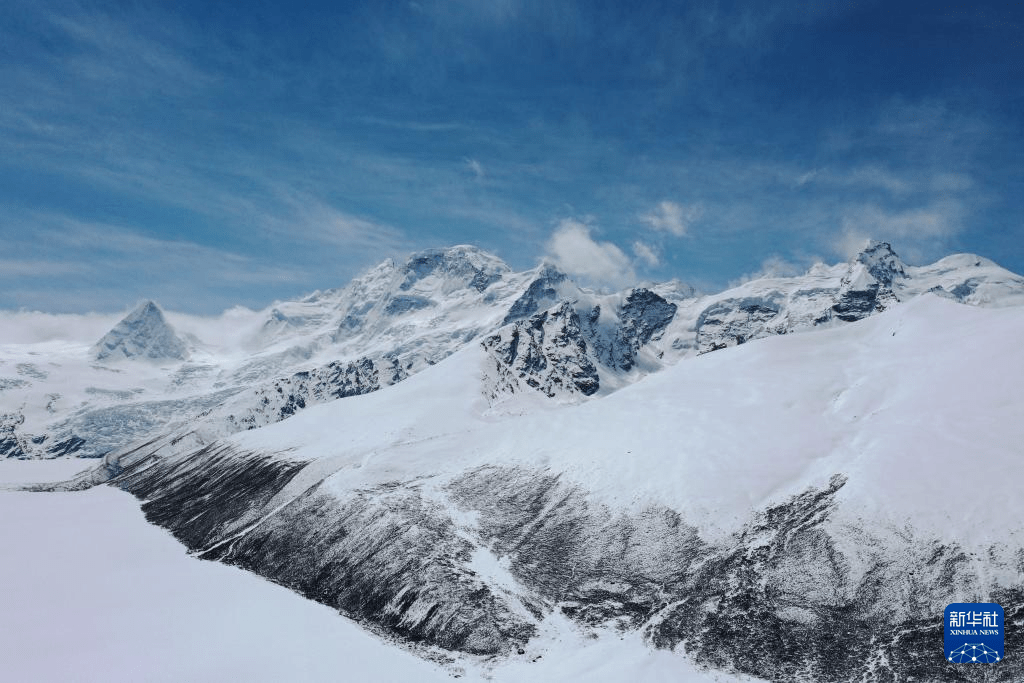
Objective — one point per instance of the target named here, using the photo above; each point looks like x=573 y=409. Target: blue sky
x=212 y=154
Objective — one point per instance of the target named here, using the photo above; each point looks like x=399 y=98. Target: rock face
x=142 y=334
x=559 y=353
x=867 y=286
x=547 y=353
x=391 y=558
x=796 y=598
x=735 y=321
x=543 y=292
x=642 y=317
x=468 y=265
x=282 y=398
x=790 y=596
x=882 y=264
x=10 y=445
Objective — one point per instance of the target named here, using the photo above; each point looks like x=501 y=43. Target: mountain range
x=788 y=479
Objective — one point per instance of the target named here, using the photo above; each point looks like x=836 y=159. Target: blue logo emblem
x=974 y=633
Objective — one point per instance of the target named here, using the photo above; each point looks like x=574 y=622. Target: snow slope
x=518 y=467
x=727 y=432
x=760 y=492
x=96 y=594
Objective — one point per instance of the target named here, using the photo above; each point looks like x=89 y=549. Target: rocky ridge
x=544 y=333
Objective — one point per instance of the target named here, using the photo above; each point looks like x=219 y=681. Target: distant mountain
x=542 y=331
x=144 y=334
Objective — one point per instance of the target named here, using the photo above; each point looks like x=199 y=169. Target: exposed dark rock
x=882 y=263
x=31 y=370
x=10 y=445
x=783 y=599
x=861 y=296
x=469 y=264
x=735 y=321
x=389 y=558
x=643 y=316
x=965 y=289
x=546 y=352
x=282 y=398
x=12 y=383
x=406 y=303
x=70 y=445
x=543 y=290
x=856 y=304
x=783 y=604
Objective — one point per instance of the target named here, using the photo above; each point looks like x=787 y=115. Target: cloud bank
x=600 y=264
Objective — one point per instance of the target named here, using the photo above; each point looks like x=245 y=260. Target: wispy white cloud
x=300 y=215
x=877 y=177
x=412 y=125
x=11 y=268
x=646 y=253
x=32 y=327
x=63 y=263
x=805 y=178
x=476 y=167
x=773 y=266
x=672 y=217
x=572 y=249
x=917 y=234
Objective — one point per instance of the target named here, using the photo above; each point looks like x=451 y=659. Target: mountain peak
x=881 y=262
x=547 y=287
x=143 y=333
x=471 y=265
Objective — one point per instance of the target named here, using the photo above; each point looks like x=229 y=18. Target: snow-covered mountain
x=784 y=491
x=142 y=334
x=543 y=332
x=466 y=459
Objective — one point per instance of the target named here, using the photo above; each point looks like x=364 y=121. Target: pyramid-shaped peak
x=146 y=309
x=881 y=262
x=143 y=333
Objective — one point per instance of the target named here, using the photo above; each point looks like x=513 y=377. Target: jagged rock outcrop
x=558 y=353
x=10 y=444
x=405 y=303
x=793 y=597
x=282 y=398
x=734 y=321
x=547 y=353
x=882 y=263
x=543 y=292
x=642 y=317
x=142 y=334
x=867 y=287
